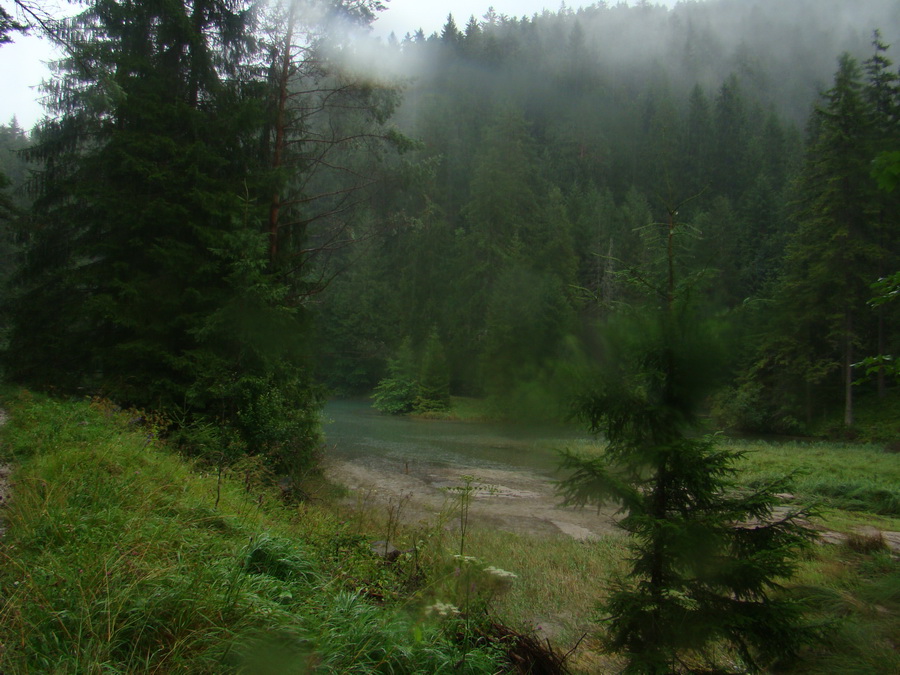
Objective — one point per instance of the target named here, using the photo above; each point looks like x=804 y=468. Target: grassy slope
x=118 y=560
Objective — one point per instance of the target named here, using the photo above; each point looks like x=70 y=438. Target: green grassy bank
x=119 y=558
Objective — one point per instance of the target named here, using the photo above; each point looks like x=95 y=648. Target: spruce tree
x=148 y=280
x=839 y=246
x=433 y=390
x=708 y=555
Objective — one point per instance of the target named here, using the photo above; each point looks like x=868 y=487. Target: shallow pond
x=356 y=431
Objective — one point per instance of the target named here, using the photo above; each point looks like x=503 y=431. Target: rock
x=385 y=549
x=831 y=537
x=576 y=531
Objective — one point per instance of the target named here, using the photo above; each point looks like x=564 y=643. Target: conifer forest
x=643 y=221
x=233 y=211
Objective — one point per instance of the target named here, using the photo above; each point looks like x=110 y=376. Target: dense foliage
x=186 y=181
x=552 y=143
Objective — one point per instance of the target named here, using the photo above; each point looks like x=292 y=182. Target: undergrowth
x=118 y=558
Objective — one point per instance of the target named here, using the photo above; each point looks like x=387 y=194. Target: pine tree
x=837 y=248
x=730 y=146
x=148 y=280
x=434 y=376
x=708 y=554
x=882 y=94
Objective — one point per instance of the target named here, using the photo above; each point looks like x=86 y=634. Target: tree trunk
x=848 y=370
x=283 y=70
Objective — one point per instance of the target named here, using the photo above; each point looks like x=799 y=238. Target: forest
x=462 y=217
x=553 y=151
x=643 y=220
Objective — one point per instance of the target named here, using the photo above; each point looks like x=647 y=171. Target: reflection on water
x=356 y=431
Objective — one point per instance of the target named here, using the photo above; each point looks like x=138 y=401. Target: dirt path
x=512 y=500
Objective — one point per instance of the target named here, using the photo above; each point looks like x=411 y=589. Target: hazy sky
x=21 y=67
x=405 y=16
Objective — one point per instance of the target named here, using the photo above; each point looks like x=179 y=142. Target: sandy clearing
x=512 y=500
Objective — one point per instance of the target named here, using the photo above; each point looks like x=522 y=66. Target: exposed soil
x=511 y=500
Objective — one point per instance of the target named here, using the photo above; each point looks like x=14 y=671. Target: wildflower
x=465 y=558
x=501 y=574
x=442 y=608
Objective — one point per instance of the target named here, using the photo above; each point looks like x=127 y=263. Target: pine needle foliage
x=708 y=556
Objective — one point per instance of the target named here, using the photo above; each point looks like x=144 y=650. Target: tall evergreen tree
x=149 y=279
x=836 y=247
x=708 y=556
x=882 y=94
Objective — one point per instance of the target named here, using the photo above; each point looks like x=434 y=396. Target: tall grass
x=839 y=475
x=116 y=561
x=121 y=558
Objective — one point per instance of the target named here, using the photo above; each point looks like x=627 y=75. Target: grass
x=855 y=596
x=854 y=479
x=561 y=582
x=121 y=558
x=463 y=409
x=117 y=561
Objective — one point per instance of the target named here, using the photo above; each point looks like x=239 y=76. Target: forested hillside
x=553 y=148
x=224 y=209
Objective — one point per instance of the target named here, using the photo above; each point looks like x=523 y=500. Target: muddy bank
x=513 y=500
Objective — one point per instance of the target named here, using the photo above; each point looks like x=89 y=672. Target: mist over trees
x=228 y=205
x=552 y=144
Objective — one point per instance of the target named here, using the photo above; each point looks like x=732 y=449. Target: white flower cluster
x=442 y=608
x=466 y=558
x=502 y=574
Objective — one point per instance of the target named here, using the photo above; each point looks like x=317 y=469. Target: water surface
x=357 y=432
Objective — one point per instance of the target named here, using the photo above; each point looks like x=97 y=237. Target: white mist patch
x=369 y=58
x=342 y=36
